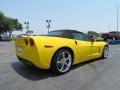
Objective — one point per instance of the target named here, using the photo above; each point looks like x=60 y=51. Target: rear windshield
x=55 y=33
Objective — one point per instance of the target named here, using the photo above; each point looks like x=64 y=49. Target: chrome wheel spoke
x=67 y=64
x=59 y=62
x=62 y=67
x=63 y=54
x=68 y=58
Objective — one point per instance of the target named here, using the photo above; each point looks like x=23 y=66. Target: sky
x=81 y=15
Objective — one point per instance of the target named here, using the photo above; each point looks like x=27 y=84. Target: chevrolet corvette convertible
x=59 y=50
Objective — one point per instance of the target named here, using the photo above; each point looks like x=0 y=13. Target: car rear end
x=26 y=50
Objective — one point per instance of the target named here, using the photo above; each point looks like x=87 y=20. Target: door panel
x=84 y=49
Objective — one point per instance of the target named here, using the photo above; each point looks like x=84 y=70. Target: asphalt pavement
x=94 y=75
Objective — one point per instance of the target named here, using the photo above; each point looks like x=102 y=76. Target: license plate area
x=20 y=49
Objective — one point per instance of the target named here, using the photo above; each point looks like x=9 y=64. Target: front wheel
x=105 y=52
x=61 y=62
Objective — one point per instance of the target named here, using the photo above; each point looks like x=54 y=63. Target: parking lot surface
x=97 y=75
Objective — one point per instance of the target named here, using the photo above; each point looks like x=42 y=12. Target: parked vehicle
x=113 y=42
x=59 y=49
x=4 y=37
x=114 y=35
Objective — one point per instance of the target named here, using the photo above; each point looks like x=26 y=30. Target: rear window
x=55 y=33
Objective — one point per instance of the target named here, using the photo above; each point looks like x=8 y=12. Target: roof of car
x=65 y=30
x=66 y=33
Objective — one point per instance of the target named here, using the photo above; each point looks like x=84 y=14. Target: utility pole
x=27 y=26
x=48 y=26
x=117 y=18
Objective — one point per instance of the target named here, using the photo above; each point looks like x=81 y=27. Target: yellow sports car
x=59 y=49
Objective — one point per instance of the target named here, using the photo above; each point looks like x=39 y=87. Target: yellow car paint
x=41 y=56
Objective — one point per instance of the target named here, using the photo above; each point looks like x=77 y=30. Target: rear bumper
x=24 y=60
x=28 y=62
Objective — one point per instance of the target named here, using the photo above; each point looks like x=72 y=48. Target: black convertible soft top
x=65 y=33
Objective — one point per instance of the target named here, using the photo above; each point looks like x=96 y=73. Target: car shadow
x=35 y=74
x=31 y=73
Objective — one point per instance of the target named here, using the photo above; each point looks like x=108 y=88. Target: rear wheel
x=105 y=52
x=61 y=62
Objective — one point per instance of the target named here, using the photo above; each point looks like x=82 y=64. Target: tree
x=12 y=25
x=8 y=24
x=1 y=22
x=93 y=33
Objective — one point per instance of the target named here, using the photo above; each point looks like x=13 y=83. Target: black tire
x=62 y=59
x=105 y=52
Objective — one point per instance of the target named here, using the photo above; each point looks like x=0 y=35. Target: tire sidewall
x=103 y=53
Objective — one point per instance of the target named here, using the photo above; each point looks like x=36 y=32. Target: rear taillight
x=26 y=42
x=31 y=42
